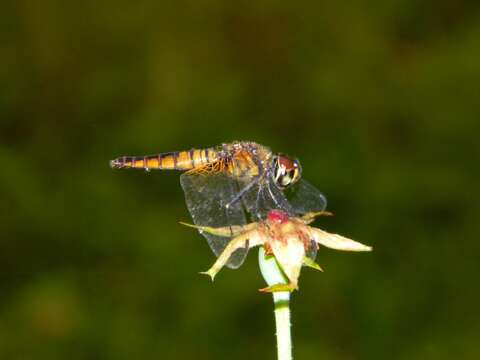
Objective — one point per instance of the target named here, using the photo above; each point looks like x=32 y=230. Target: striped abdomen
x=178 y=160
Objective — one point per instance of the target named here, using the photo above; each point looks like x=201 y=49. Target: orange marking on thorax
x=243 y=164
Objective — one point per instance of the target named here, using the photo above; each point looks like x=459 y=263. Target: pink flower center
x=277 y=216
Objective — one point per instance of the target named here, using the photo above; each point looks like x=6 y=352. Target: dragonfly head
x=287 y=171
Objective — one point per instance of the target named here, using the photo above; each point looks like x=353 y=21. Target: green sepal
x=278 y=288
x=311 y=264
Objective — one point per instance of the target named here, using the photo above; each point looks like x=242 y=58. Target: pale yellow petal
x=250 y=238
x=337 y=242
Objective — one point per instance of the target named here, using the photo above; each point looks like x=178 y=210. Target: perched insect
x=287 y=238
x=225 y=184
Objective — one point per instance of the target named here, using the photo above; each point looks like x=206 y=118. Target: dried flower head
x=287 y=238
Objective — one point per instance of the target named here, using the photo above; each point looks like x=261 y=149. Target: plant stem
x=273 y=275
x=282 y=323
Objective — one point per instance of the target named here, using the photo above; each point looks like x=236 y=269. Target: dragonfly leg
x=242 y=192
x=273 y=197
x=257 y=205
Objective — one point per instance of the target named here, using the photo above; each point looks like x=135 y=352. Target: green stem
x=273 y=275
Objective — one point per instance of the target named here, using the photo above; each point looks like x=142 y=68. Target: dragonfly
x=232 y=184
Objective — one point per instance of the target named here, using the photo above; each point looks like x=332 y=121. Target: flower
x=287 y=238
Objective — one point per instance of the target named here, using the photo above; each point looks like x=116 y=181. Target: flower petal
x=337 y=242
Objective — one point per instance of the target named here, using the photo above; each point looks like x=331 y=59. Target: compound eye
x=278 y=170
x=287 y=171
x=292 y=176
x=286 y=179
x=296 y=171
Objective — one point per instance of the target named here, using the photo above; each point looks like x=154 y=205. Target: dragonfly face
x=286 y=171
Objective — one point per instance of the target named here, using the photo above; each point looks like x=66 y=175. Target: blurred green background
x=380 y=101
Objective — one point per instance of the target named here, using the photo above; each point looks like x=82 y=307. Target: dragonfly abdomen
x=177 y=160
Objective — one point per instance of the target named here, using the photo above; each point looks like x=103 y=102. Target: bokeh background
x=380 y=101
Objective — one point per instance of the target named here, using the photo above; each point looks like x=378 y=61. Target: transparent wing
x=297 y=200
x=206 y=196
x=263 y=197
x=311 y=252
x=266 y=196
x=304 y=197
